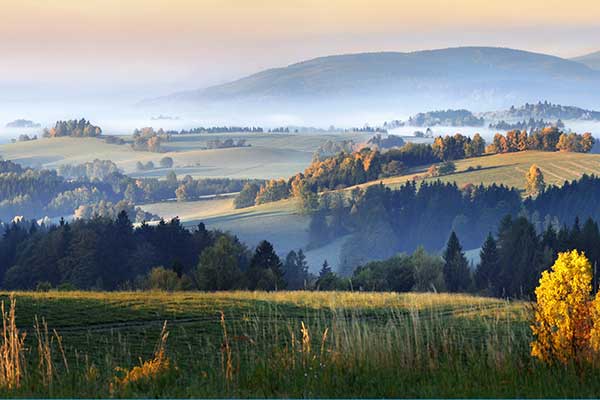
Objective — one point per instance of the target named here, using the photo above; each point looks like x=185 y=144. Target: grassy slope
x=510 y=169
x=269 y=156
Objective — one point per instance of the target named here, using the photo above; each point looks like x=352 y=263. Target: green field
x=354 y=345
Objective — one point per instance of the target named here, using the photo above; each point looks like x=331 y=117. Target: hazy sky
x=160 y=45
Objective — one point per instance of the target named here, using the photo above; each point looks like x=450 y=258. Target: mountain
x=591 y=60
x=469 y=77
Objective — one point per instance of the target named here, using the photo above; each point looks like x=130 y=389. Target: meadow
x=270 y=155
x=510 y=169
x=284 y=344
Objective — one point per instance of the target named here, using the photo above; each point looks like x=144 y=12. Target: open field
x=353 y=344
x=510 y=169
x=269 y=155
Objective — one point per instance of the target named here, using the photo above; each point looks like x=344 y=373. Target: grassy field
x=510 y=169
x=269 y=156
x=287 y=344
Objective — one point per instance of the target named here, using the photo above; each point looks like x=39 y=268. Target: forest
x=96 y=187
x=346 y=169
x=380 y=222
x=110 y=254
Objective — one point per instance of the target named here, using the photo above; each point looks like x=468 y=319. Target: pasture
x=510 y=169
x=270 y=155
x=287 y=344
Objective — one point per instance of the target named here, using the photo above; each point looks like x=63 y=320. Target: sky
x=152 y=47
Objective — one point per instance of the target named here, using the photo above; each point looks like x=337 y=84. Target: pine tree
x=266 y=270
x=456 y=270
x=487 y=270
x=325 y=269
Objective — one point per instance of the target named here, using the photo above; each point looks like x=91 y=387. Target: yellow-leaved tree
x=534 y=180
x=567 y=320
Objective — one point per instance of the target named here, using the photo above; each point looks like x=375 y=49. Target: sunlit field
x=269 y=155
x=510 y=169
x=284 y=344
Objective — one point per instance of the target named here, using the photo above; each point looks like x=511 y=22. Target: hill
x=473 y=75
x=510 y=168
x=591 y=60
x=283 y=225
x=544 y=110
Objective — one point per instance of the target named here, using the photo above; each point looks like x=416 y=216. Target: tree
x=488 y=268
x=166 y=162
x=456 y=269
x=447 y=167
x=520 y=258
x=564 y=326
x=325 y=269
x=219 y=267
x=534 y=181
x=428 y=271
x=266 y=270
x=327 y=280
x=247 y=196
x=587 y=142
x=477 y=145
x=160 y=278
x=295 y=270
x=171 y=178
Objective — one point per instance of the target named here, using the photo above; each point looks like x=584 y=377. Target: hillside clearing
x=509 y=169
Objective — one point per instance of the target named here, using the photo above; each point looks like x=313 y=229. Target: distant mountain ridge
x=484 y=76
x=592 y=60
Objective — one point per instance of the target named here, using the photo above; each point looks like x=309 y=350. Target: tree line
x=378 y=222
x=348 y=169
x=73 y=128
x=97 y=186
x=110 y=254
x=510 y=264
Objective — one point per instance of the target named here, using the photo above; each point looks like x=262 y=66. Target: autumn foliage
x=567 y=319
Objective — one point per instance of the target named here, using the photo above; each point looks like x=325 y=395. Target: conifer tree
x=487 y=270
x=266 y=270
x=456 y=270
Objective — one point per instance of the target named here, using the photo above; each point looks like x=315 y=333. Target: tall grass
x=408 y=346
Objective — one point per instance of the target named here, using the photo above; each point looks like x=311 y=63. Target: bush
x=43 y=286
x=160 y=278
x=447 y=167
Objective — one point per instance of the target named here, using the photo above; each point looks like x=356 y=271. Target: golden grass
x=510 y=168
x=12 y=349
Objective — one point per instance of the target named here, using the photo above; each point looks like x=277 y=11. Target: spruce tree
x=487 y=270
x=266 y=270
x=325 y=269
x=295 y=270
x=456 y=270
